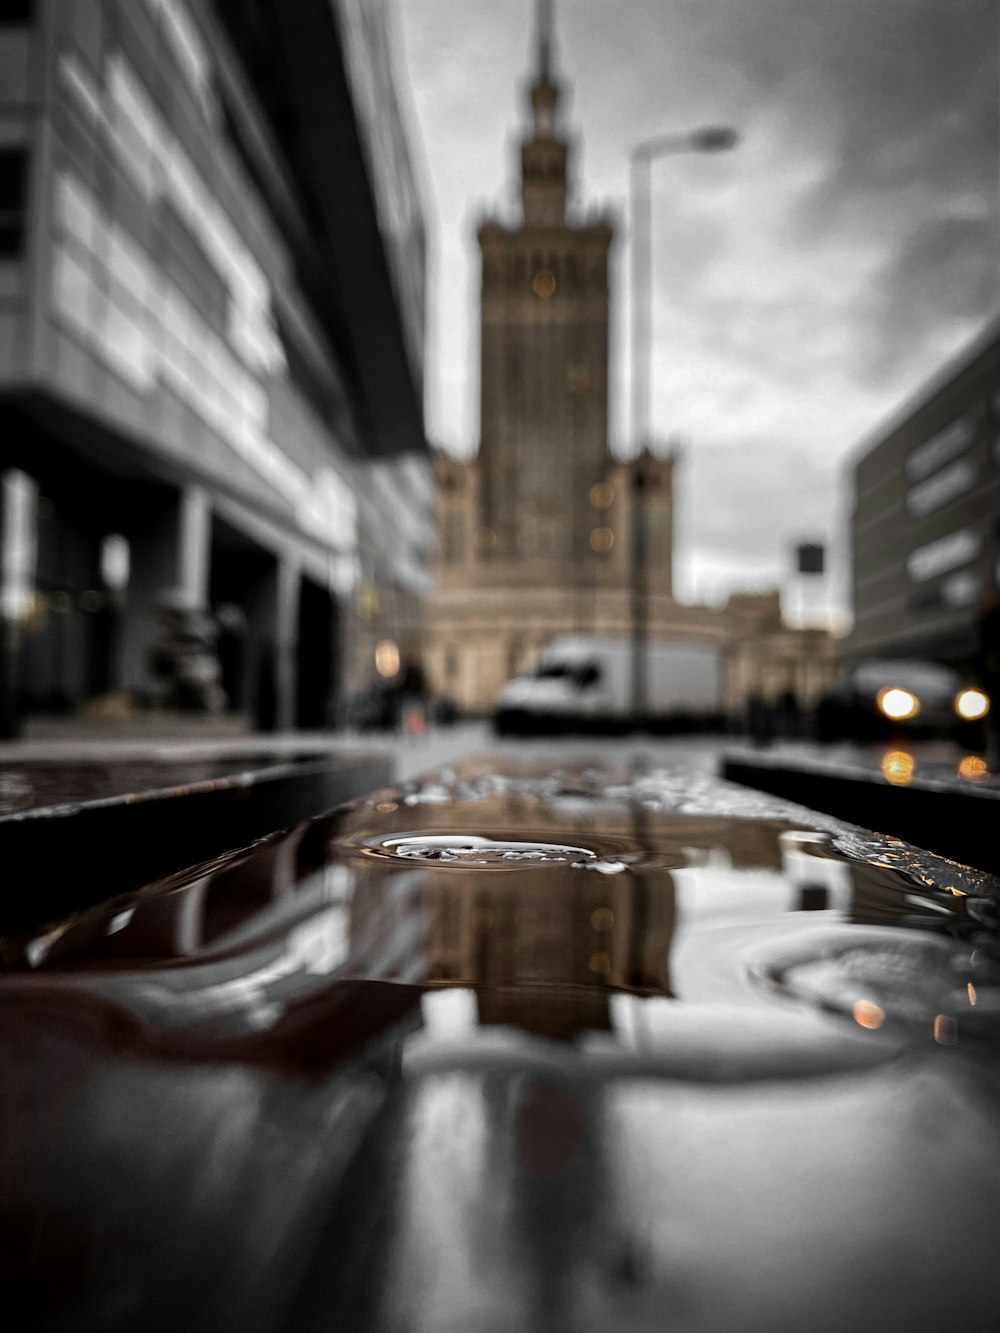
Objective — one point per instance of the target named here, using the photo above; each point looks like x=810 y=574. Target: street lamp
x=710 y=139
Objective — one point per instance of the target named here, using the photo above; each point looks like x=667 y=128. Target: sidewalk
x=72 y=745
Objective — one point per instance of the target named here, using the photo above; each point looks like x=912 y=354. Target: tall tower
x=539 y=534
x=544 y=374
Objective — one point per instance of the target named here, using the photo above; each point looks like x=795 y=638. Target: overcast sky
x=805 y=284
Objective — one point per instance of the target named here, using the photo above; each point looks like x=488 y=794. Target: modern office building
x=925 y=530
x=545 y=532
x=211 y=345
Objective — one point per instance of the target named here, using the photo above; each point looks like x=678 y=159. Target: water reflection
x=898 y=767
x=403 y=1085
x=973 y=767
x=304 y=929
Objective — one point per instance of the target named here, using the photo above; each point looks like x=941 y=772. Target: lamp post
x=711 y=139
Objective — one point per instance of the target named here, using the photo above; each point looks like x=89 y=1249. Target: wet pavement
x=934 y=794
x=515 y=1046
x=55 y=783
x=898 y=762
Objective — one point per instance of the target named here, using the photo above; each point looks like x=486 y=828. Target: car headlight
x=897 y=704
x=972 y=704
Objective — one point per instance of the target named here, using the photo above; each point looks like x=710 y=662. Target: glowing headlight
x=898 y=704
x=971 y=704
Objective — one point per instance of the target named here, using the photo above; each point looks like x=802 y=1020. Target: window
x=72 y=291
x=940 y=448
x=945 y=486
x=958 y=548
x=13 y=176
x=961 y=589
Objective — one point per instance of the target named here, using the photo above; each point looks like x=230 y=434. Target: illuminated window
x=602 y=540
x=387 y=658
x=602 y=495
x=115 y=561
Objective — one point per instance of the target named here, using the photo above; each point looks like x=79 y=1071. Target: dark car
x=885 y=696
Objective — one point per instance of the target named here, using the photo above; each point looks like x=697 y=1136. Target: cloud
x=804 y=284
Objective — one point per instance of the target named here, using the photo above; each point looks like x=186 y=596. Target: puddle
x=55 y=783
x=879 y=977
x=659 y=1034
x=659 y=885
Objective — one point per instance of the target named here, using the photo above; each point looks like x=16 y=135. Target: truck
x=584 y=683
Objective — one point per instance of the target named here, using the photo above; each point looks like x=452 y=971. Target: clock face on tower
x=544 y=284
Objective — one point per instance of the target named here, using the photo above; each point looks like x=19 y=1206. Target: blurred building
x=538 y=534
x=211 y=344
x=925 y=531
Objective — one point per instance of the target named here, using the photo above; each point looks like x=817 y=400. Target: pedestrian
x=412 y=693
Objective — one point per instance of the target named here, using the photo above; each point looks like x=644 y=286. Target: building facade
x=211 y=343
x=545 y=532
x=925 y=529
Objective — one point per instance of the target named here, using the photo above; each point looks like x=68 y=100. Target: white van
x=585 y=683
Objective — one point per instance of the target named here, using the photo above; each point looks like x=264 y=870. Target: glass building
x=211 y=341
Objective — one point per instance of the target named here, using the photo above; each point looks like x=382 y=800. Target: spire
x=543 y=39
x=543 y=153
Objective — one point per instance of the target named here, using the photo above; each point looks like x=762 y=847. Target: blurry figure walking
x=411 y=689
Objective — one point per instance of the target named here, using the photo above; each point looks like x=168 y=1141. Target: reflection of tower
x=544 y=360
x=544 y=947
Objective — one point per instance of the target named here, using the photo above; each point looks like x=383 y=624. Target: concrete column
x=194 y=520
x=169 y=548
x=272 y=605
x=289 y=576
x=18 y=546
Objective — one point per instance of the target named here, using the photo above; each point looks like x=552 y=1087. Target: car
x=880 y=697
x=585 y=683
